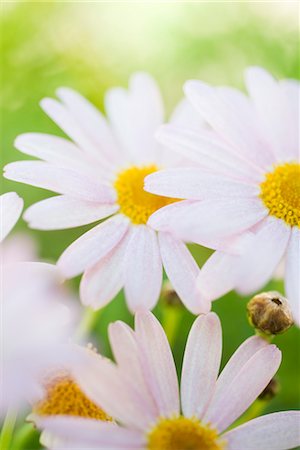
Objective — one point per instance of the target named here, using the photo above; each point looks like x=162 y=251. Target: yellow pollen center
x=183 y=433
x=280 y=192
x=134 y=202
x=63 y=396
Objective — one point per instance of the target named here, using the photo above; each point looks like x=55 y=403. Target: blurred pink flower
x=141 y=393
x=101 y=174
x=248 y=183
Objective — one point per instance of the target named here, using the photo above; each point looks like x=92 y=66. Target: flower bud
x=169 y=296
x=270 y=313
x=270 y=391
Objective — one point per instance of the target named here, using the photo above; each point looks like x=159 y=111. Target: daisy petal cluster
x=141 y=393
x=248 y=185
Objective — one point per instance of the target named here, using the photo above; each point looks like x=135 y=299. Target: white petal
x=201 y=364
x=143 y=267
x=102 y=282
x=135 y=114
x=182 y=271
x=271 y=106
x=208 y=151
x=158 y=363
x=184 y=115
x=277 y=431
x=291 y=91
x=257 y=264
x=61 y=212
x=93 y=124
x=244 y=388
x=90 y=433
x=292 y=273
x=231 y=115
x=92 y=246
x=196 y=184
x=60 y=180
x=11 y=207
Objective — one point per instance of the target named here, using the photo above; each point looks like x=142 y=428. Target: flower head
x=141 y=393
x=100 y=175
x=248 y=186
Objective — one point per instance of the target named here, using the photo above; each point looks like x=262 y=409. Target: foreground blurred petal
x=292 y=274
x=11 y=207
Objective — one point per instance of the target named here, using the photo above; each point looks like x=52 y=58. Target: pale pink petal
x=90 y=433
x=113 y=391
x=201 y=364
x=135 y=114
x=11 y=207
x=184 y=115
x=277 y=431
x=291 y=91
x=271 y=106
x=57 y=213
x=207 y=150
x=292 y=273
x=196 y=184
x=228 y=112
x=214 y=218
x=258 y=263
x=102 y=282
x=158 y=363
x=92 y=246
x=126 y=352
x=19 y=247
x=182 y=271
x=244 y=388
x=143 y=267
x=60 y=180
x=218 y=275
x=236 y=363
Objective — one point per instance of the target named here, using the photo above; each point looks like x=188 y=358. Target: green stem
x=87 y=323
x=171 y=320
x=22 y=436
x=7 y=429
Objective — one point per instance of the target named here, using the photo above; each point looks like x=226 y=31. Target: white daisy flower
x=141 y=393
x=249 y=182
x=102 y=174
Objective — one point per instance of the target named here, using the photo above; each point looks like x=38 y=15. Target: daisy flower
x=248 y=183
x=101 y=175
x=141 y=393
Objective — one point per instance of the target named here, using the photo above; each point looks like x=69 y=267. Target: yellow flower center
x=134 y=202
x=182 y=433
x=64 y=396
x=280 y=192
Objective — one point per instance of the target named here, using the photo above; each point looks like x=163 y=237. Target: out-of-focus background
x=92 y=46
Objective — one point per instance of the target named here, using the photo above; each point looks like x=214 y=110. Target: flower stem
x=23 y=435
x=171 y=320
x=7 y=429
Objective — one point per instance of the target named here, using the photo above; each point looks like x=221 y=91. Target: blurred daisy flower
x=249 y=182
x=36 y=316
x=141 y=393
x=101 y=174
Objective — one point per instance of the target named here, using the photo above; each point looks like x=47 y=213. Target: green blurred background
x=92 y=46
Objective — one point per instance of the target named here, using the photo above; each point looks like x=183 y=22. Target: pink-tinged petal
x=208 y=151
x=58 y=213
x=213 y=219
x=184 y=115
x=113 y=391
x=143 y=267
x=201 y=364
x=182 y=271
x=218 y=275
x=11 y=207
x=135 y=115
x=231 y=115
x=271 y=106
x=267 y=248
x=93 y=123
x=60 y=180
x=277 y=431
x=244 y=388
x=236 y=363
x=291 y=91
x=126 y=352
x=92 y=246
x=102 y=282
x=292 y=274
x=196 y=184
x=90 y=432
x=19 y=247
x=158 y=363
